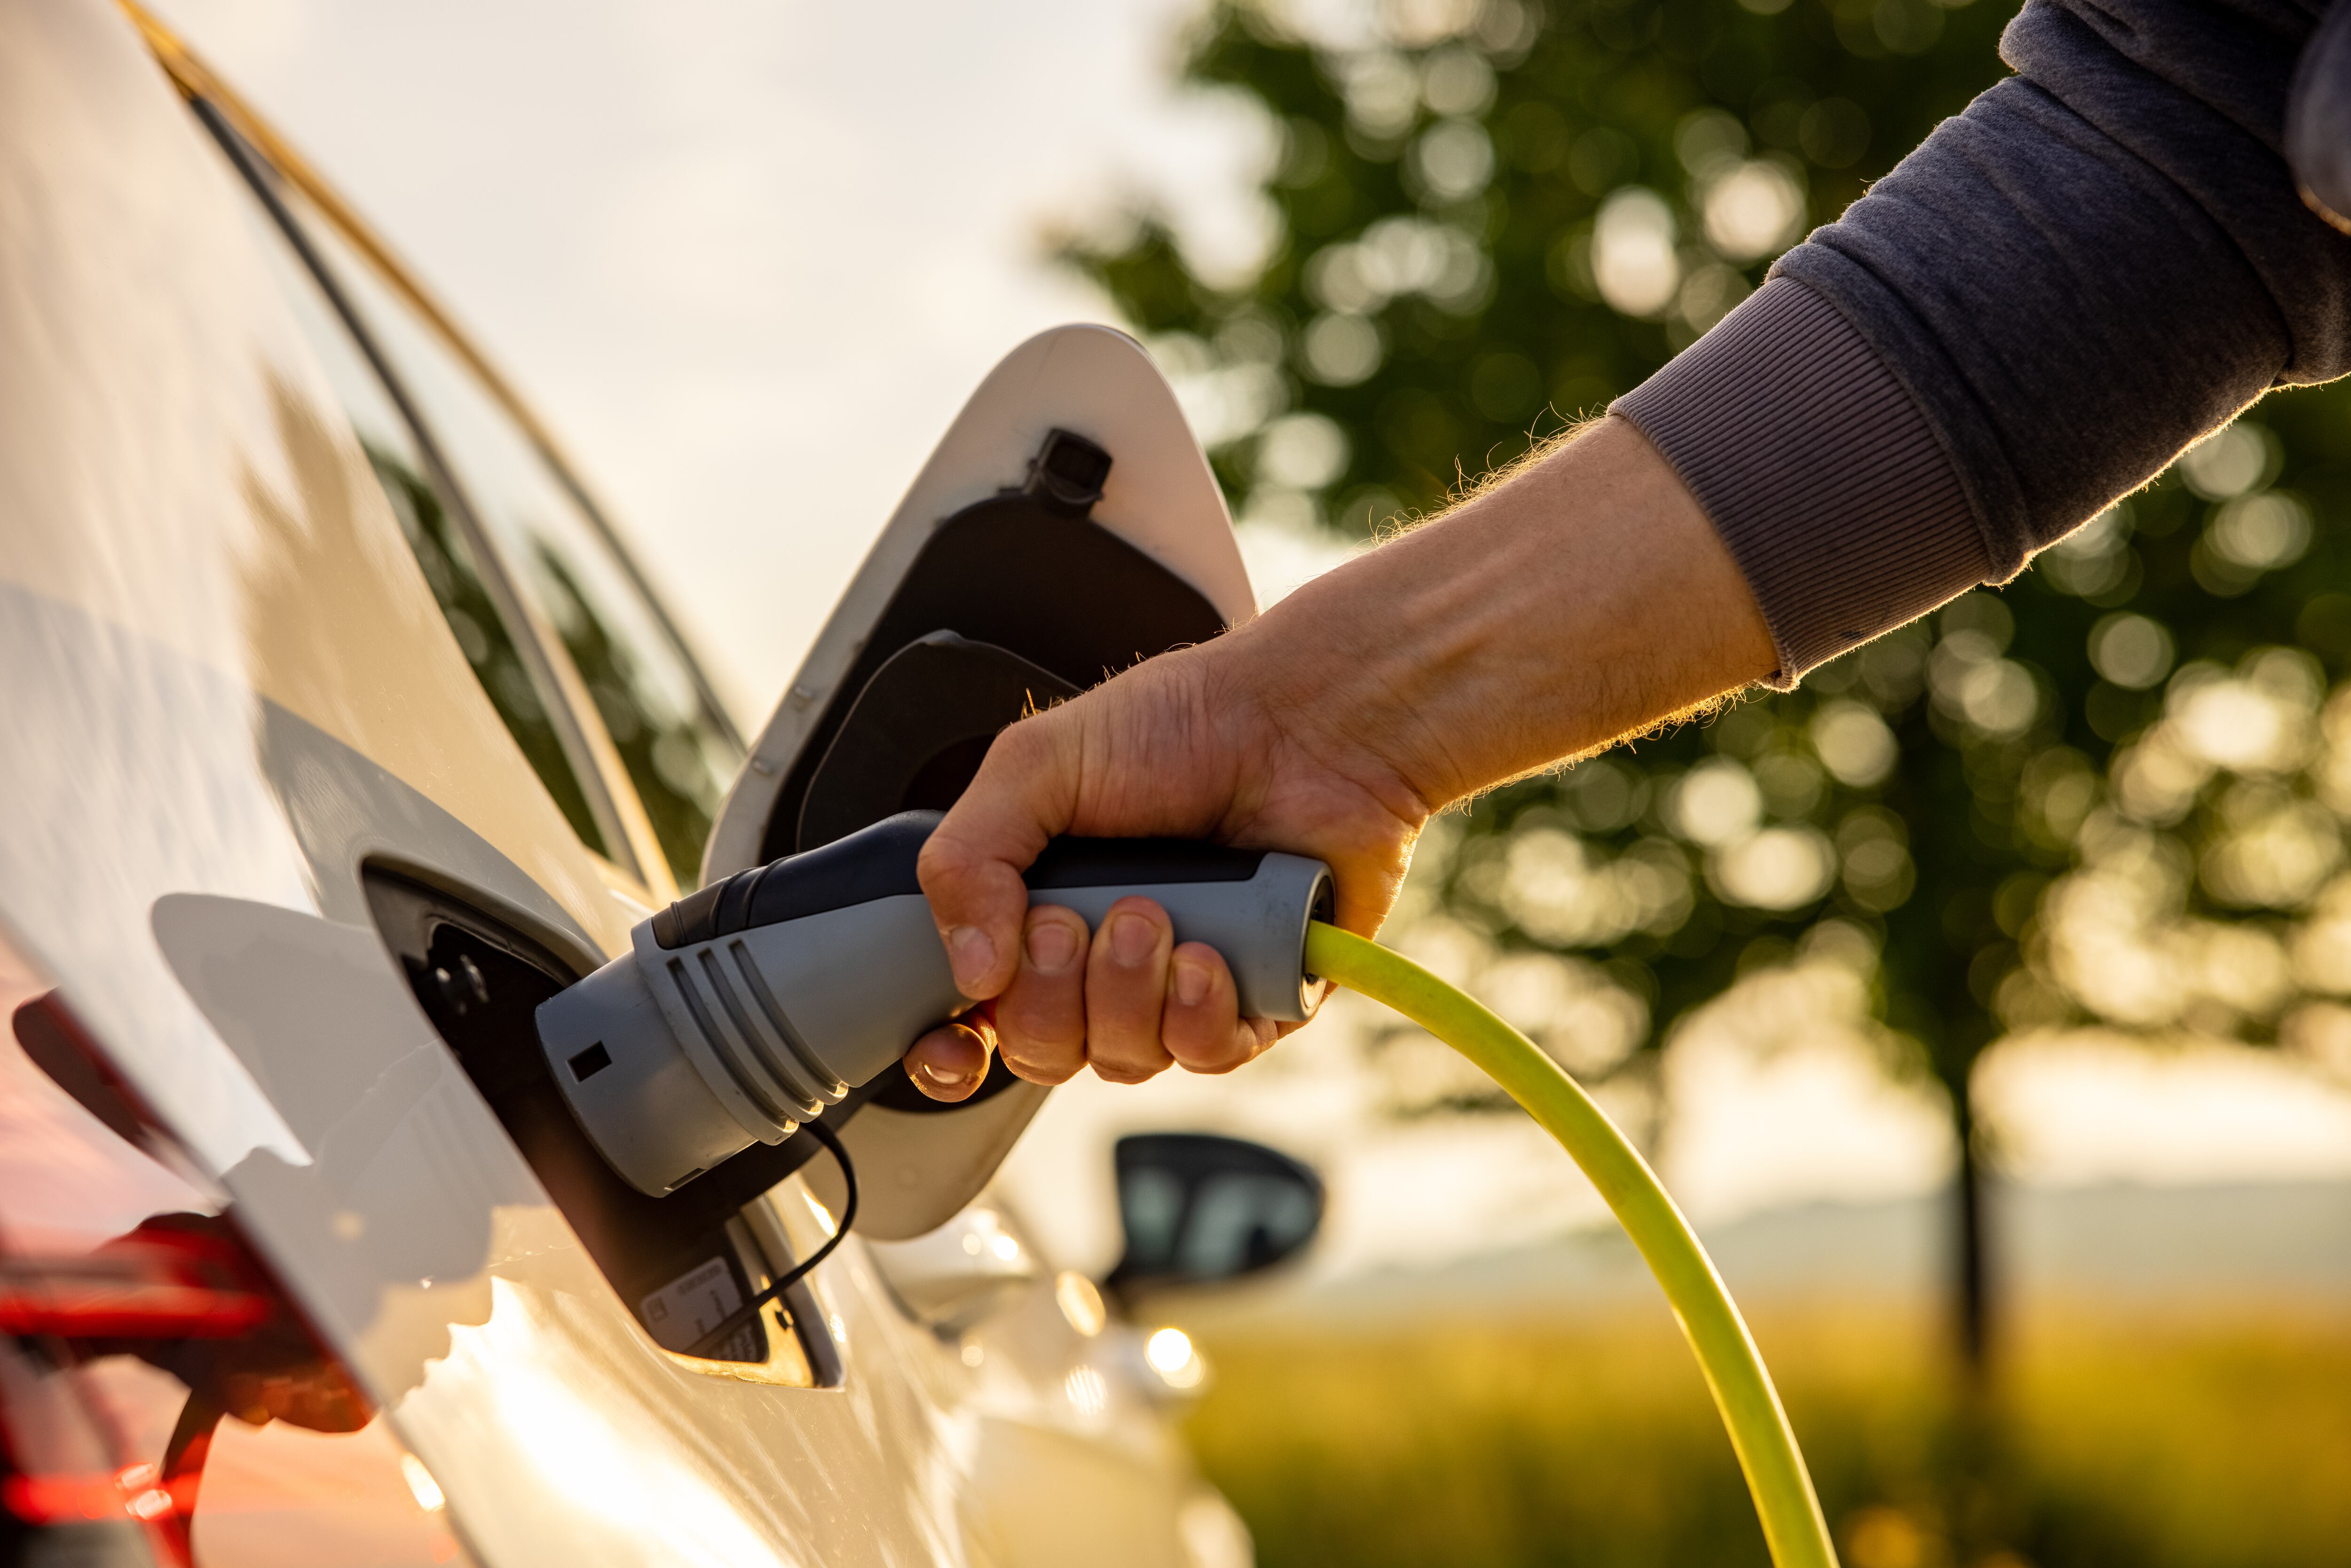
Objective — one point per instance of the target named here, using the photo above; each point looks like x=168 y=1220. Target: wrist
x=1585 y=598
x=1318 y=683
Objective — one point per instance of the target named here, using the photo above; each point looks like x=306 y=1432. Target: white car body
x=235 y=712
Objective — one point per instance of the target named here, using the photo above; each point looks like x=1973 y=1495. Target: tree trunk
x=1971 y=1276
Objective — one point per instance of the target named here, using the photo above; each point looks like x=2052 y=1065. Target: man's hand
x=1586 y=598
x=1196 y=745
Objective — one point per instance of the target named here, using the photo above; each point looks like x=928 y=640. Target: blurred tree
x=2112 y=791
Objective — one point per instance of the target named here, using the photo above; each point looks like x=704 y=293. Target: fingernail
x=971 y=953
x=1191 y=982
x=944 y=1078
x=1131 y=939
x=1052 y=947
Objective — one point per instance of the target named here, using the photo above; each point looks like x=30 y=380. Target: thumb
x=1024 y=794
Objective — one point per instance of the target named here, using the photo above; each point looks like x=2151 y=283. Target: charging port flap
x=1066 y=528
x=672 y=1258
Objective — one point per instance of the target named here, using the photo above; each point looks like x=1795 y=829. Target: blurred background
x=1984 y=1001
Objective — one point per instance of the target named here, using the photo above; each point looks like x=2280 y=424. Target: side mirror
x=1199 y=1208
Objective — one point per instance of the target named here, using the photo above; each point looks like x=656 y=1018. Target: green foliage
x=2171 y=1444
x=2111 y=791
x=1434 y=292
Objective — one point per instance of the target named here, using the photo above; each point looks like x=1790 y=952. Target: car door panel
x=411 y=1230
x=229 y=690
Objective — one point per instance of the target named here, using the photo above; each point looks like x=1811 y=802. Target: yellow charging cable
x=1793 y=1527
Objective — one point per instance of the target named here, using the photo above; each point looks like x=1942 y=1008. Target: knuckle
x=1211 y=1048
x=1122 y=1016
x=1044 y=1013
x=1044 y=1038
x=1123 y=1024
x=943 y=857
x=1048 y=1034
x=1035 y=1069
x=1025 y=751
x=1123 y=1072
x=1022 y=740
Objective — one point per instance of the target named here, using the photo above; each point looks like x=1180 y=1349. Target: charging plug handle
x=751 y=1005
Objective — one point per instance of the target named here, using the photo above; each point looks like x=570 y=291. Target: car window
x=523 y=693
x=678 y=747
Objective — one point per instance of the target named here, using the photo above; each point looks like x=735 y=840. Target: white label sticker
x=682 y=1311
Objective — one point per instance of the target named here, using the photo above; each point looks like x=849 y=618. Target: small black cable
x=798 y=1271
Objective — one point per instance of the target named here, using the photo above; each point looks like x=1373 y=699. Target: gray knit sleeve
x=1838 y=503
x=2102 y=259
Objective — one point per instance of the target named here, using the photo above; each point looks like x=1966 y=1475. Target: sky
x=749 y=258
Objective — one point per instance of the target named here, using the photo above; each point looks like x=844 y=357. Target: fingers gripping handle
x=1251 y=905
x=750 y=1006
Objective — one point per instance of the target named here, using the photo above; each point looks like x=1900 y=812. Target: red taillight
x=163 y=1284
x=135 y=1491
x=114 y=1254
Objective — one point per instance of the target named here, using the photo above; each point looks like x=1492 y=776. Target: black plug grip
x=879 y=862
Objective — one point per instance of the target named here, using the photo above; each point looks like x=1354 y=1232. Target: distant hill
x=2156 y=1245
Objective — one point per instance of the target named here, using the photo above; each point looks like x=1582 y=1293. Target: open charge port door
x=1066 y=528
x=682 y=1263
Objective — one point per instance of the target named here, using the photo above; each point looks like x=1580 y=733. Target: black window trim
x=531 y=642
x=198 y=85
x=714 y=711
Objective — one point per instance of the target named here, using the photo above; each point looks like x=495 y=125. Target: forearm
x=1585 y=598
x=2085 y=271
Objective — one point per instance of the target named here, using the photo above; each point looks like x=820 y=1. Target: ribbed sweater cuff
x=1818 y=469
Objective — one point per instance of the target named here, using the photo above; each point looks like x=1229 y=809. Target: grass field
x=2214 y=1439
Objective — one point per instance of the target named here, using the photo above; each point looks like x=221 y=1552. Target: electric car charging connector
x=747 y=1008
x=750 y=1006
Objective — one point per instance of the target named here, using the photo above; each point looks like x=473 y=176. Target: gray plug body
x=749 y=1007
